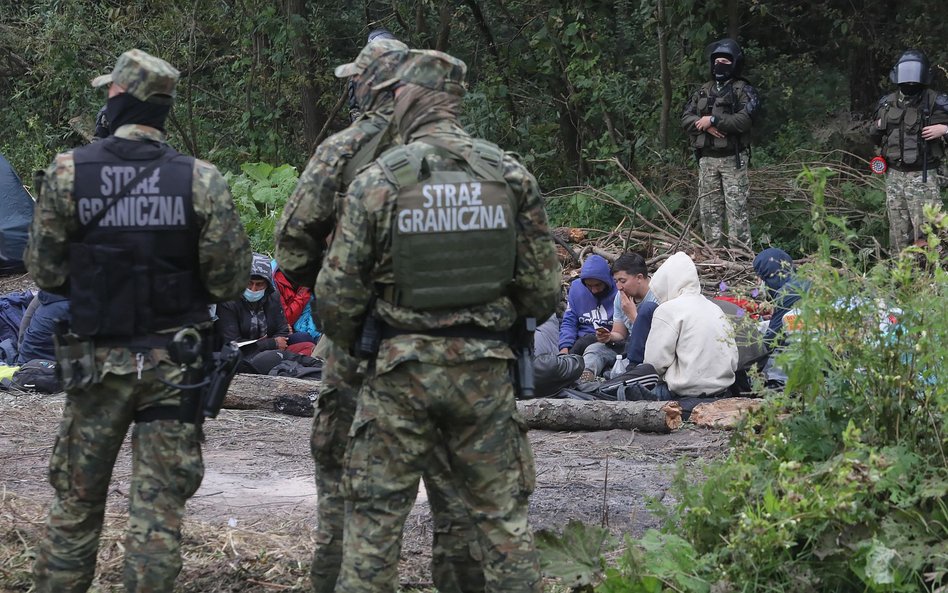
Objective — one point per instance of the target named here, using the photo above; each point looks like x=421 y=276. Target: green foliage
x=840 y=483
x=260 y=192
x=575 y=557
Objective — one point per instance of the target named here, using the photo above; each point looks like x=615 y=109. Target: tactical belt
x=717 y=152
x=467 y=330
x=146 y=342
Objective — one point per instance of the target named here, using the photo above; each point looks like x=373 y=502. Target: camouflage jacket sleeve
x=741 y=120
x=344 y=288
x=309 y=217
x=54 y=220
x=537 y=276
x=877 y=131
x=223 y=248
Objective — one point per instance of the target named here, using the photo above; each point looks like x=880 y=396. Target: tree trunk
x=733 y=19
x=297 y=396
x=305 y=57
x=568 y=414
x=662 y=27
x=723 y=413
x=276 y=394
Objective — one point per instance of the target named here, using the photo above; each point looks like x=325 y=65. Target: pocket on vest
x=101 y=275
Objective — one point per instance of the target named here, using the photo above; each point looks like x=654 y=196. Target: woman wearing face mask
x=258 y=315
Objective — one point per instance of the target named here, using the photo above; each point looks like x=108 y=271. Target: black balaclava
x=911 y=89
x=722 y=72
x=125 y=109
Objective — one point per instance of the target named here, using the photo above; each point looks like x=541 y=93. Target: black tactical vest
x=136 y=271
x=902 y=142
x=712 y=101
x=454 y=241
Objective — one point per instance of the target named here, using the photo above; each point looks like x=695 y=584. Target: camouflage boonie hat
x=431 y=69
x=371 y=52
x=143 y=76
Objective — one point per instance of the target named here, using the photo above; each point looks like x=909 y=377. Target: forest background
x=588 y=93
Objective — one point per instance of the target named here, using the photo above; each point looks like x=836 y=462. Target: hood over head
x=676 y=277
x=775 y=268
x=260 y=266
x=597 y=268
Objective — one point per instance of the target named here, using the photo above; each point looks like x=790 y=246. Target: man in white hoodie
x=691 y=343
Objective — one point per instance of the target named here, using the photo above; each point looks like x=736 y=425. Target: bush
x=260 y=192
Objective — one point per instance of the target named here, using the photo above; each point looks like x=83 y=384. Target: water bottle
x=621 y=364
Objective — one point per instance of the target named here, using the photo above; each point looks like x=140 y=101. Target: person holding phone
x=589 y=309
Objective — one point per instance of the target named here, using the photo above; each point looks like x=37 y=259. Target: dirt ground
x=250 y=526
x=258 y=491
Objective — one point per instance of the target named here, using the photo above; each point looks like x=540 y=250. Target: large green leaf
x=575 y=556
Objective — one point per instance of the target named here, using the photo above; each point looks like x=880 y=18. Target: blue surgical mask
x=252 y=296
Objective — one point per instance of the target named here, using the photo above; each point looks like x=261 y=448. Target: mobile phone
x=602 y=324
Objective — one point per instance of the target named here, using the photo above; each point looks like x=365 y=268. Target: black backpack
x=38 y=375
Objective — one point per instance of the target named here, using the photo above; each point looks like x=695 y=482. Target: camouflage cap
x=372 y=51
x=431 y=69
x=143 y=76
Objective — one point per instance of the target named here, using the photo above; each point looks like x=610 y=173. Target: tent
x=16 y=213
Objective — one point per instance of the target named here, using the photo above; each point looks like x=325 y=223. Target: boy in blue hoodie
x=589 y=304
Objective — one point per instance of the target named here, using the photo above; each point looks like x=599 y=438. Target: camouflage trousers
x=722 y=195
x=166 y=470
x=456 y=556
x=905 y=196
x=403 y=416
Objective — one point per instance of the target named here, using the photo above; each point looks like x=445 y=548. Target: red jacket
x=292 y=298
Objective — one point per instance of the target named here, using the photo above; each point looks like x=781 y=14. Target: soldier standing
x=302 y=233
x=442 y=244
x=718 y=120
x=910 y=125
x=142 y=239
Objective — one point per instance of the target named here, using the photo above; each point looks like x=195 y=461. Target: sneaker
x=587 y=376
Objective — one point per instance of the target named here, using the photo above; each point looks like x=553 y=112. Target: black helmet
x=912 y=68
x=729 y=49
x=379 y=34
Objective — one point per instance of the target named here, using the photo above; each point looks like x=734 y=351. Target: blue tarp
x=16 y=213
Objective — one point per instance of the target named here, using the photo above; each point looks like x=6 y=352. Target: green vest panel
x=454 y=237
x=903 y=143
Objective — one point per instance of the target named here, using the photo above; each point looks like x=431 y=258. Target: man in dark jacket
x=718 y=119
x=257 y=315
x=775 y=268
x=36 y=337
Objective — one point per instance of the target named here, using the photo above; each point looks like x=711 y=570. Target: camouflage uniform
x=722 y=184
x=424 y=391
x=166 y=455
x=902 y=119
x=301 y=235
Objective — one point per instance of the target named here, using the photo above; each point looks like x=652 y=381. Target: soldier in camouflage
x=718 y=120
x=142 y=239
x=444 y=243
x=910 y=126
x=302 y=234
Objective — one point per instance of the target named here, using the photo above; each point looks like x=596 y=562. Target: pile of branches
x=659 y=236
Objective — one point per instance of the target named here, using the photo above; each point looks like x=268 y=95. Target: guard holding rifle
x=442 y=246
x=142 y=239
x=910 y=127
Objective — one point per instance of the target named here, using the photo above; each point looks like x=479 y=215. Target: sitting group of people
x=264 y=321
x=619 y=320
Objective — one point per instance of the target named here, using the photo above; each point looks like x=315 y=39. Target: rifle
x=218 y=370
x=927 y=116
x=522 y=344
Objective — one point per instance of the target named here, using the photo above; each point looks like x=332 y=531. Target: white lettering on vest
x=451 y=207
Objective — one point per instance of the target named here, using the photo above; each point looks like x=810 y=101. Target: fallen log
x=723 y=413
x=568 y=414
x=297 y=397
x=277 y=394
